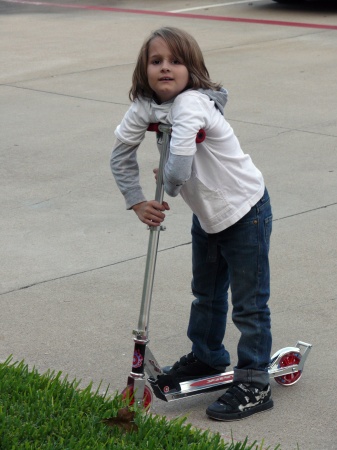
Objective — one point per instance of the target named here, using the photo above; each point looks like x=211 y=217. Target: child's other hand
x=155 y=171
x=151 y=212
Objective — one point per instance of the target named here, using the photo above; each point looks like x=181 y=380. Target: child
x=232 y=217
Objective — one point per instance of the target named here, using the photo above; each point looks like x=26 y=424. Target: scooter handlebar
x=200 y=137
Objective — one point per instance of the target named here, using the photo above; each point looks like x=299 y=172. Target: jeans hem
x=258 y=378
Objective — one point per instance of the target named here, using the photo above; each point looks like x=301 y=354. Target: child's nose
x=165 y=66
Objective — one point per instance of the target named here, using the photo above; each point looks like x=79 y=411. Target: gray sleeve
x=176 y=172
x=125 y=169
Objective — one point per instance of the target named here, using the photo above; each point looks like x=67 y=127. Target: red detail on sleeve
x=201 y=136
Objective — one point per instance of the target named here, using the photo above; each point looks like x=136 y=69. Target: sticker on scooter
x=154 y=365
x=137 y=359
x=213 y=380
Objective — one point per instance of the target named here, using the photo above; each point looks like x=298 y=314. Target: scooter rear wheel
x=129 y=398
x=289 y=359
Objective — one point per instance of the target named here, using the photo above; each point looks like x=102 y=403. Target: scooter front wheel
x=289 y=359
x=129 y=397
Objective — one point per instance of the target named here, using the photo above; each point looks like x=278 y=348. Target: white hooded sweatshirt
x=216 y=178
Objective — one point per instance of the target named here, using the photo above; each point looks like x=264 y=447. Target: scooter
x=286 y=365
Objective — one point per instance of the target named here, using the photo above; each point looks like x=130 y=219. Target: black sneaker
x=240 y=401
x=189 y=367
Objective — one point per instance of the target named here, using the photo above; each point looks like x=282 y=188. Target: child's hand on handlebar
x=151 y=212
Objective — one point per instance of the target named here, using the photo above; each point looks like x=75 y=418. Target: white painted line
x=214 y=6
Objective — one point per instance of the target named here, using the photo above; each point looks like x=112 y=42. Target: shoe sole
x=230 y=417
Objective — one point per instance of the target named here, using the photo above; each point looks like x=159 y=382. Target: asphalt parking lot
x=72 y=257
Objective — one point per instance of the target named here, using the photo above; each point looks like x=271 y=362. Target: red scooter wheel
x=129 y=398
x=289 y=359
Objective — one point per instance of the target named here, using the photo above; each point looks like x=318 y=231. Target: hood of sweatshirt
x=159 y=112
x=218 y=97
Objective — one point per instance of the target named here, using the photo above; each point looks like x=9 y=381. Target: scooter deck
x=194 y=387
x=167 y=389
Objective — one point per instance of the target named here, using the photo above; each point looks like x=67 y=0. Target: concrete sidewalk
x=73 y=259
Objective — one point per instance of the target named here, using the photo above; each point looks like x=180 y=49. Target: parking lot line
x=214 y=6
x=183 y=15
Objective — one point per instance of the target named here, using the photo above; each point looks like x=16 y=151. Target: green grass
x=49 y=412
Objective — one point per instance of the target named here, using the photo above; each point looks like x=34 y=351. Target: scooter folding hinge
x=164 y=128
x=140 y=335
x=159 y=227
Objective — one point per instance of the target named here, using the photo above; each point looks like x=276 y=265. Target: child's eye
x=176 y=61
x=155 y=61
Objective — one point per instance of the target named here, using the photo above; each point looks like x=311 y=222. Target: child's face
x=167 y=77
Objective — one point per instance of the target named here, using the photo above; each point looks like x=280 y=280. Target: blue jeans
x=237 y=257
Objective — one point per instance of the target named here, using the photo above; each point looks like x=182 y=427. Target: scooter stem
x=143 y=323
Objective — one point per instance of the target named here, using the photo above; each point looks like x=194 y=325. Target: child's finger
x=157 y=206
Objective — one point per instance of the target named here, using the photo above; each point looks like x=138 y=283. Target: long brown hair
x=183 y=47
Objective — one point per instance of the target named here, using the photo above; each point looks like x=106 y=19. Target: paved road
x=72 y=258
